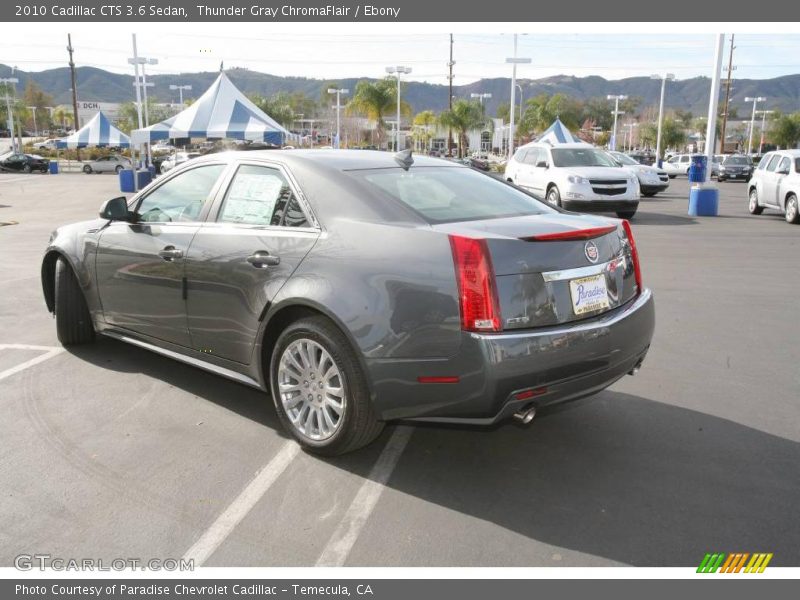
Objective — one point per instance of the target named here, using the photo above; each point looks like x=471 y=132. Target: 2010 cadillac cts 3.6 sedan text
x=359 y=287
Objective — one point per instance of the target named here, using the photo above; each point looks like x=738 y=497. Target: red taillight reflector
x=527 y=394
x=440 y=379
x=637 y=269
x=576 y=234
x=480 y=309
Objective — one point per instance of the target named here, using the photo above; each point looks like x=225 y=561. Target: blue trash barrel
x=703 y=201
x=697 y=169
x=126 y=181
x=152 y=170
x=143 y=178
x=53 y=167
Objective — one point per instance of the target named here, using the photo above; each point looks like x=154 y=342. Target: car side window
x=773 y=163
x=261 y=196
x=673 y=160
x=684 y=159
x=181 y=198
x=534 y=156
x=784 y=165
x=763 y=162
x=519 y=155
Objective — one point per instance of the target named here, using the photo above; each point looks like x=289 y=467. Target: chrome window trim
x=579 y=272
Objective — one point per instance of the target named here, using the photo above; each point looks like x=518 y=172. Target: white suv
x=577 y=177
x=776 y=184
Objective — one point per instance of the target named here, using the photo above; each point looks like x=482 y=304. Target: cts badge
x=591 y=252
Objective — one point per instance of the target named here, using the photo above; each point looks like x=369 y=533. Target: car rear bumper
x=547 y=365
x=587 y=206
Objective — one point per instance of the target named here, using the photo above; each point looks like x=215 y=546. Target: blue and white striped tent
x=97 y=132
x=557 y=133
x=221 y=112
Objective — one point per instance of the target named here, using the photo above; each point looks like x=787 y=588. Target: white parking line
x=344 y=538
x=238 y=509
x=49 y=352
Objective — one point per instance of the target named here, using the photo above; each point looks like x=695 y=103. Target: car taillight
x=637 y=269
x=477 y=293
x=575 y=234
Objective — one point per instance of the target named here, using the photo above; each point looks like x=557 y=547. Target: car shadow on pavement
x=652 y=218
x=616 y=475
x=621 y=477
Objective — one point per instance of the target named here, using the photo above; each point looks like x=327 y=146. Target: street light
x=763 y=114
x=755 y=100
x=180 y=89
x=629 y=134
x=513 y=108
x=10 y=116
x=521 y=102
x=398 y=70
x=144 y=61
x=339 y=92
x=664 y=78
x=480 y=96
x=35 y=127
x=616 y=112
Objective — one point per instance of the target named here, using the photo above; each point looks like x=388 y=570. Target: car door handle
x=263 y=259
x=170 y=253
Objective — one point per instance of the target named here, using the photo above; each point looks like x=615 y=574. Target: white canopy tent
x=97 y=132
x=558 y=133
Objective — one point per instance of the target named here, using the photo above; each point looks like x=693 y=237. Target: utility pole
x=450 y=98
x=727 y=99
x=75 y=123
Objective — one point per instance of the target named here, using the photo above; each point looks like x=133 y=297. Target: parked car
x=575 y=176
x=172 y=161
x=359 y=287
x=776 y=184
x=108 y=164
x=735 y=166
x=651 y=179
x=49 y=144
x=26 y=163
x=643 y=157
x=679 y=165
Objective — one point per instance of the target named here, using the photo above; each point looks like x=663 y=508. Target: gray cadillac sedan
x=359 y=287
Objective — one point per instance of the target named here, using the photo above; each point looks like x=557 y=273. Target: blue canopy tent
x=97 y=132
x=557 y=133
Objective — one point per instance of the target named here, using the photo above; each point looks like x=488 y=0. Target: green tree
x=128 y=119
x=465 y=116
x=599 y=110
x=375 y=100
x=672 y=135
x=684 y=117
x=425 y=123
x=785 y=131
x=542 y=110
x=278 y=106
x=35 y=97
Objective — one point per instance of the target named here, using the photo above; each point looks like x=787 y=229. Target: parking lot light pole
x=763 y=114
x=35 y=127
x=755 y=100
x=180 y=89
x=339 y=92
x=514 y=61
x=480 y=96
x=398 y=70
x=616 y=114
x=8 y=81
x=664 y=78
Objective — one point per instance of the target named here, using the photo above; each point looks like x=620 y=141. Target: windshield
x=581 y=157
x=737 y=160
x=448 y=194
x=623 y=158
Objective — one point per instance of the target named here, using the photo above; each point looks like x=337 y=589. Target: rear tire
x=753 y=206
x=649 y=194
x=792 y=210
x=554 y=196
x=357 y=424
x=626 y=214
x=118 y=169
x=27 y=168
x=87 y=169
x=73 y=322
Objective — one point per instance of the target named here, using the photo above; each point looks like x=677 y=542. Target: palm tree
x=375 y=100
x=464 y=117
x=425 y=121
x=786 y=130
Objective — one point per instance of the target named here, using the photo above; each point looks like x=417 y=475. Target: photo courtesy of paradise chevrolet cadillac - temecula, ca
x=359 y=287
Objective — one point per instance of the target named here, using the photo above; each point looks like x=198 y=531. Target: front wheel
x=626 y=214
x=118 y=169
x=792 y=210
x=87 y=169
x=73 y=322
x=27 y=168
x=554 y=196
x=320 y=390
x=753 y=206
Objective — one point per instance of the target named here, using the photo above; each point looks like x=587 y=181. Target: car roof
x=795 y=152
x=341 y=160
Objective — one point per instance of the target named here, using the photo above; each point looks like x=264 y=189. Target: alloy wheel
x=311 y=388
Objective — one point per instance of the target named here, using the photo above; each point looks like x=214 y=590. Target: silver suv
x=776 y=184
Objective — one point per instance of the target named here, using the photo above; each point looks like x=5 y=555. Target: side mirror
x=542 y=164
x=115 y=209
x=783 y=172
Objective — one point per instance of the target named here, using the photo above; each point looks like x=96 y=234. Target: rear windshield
x=737 y=160
x=581 y=157
x=448 y=194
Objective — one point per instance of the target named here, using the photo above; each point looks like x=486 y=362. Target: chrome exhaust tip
x=636 y=368
x=525 y=416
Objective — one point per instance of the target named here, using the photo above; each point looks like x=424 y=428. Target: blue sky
x=332 y=55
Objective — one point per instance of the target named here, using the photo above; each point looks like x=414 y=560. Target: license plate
x=588 y=294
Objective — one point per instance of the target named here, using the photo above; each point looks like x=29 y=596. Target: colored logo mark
x=735 y=562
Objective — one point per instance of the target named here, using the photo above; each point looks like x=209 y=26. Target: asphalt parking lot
x=110 y=451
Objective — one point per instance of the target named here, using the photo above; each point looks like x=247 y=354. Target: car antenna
x=404 y=158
